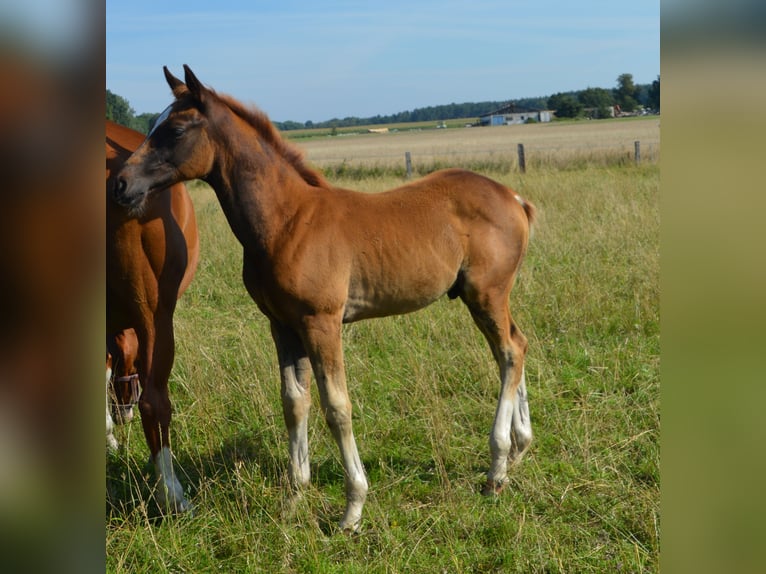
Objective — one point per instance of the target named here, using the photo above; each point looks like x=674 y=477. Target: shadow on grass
x=130 y=479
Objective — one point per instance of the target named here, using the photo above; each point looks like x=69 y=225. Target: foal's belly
x=402 y=276
x=367 y=302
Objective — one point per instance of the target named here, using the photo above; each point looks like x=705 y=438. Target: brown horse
x=122 y=384
x=125 y=387
x=151 y=257
x=316 y=256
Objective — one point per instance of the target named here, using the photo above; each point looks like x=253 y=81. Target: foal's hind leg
x=511 y=431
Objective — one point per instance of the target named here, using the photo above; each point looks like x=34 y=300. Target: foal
x=317 y=256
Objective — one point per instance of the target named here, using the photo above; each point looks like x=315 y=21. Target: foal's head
x=195 y=134
x=178 y=148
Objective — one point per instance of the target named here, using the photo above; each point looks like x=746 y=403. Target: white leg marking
x=300 y=473
x=296 y=402
x=522 y=425
x=356 y=484
x=500 y=437
x=339 y=420
x=111 y=441
x=356 y=480
x=170 y=494
x=511 y=432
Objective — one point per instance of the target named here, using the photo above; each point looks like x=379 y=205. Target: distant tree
x=144 y=122
x=289 y=125
x=598 y=99
x=565 y=105
x=654 y=95
x=625 y=93
x=118 y=110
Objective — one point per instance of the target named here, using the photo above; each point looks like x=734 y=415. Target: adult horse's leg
x=156 y=349
x=512 y=430
x=322 y=338
x=111 y=441
x=295 y=372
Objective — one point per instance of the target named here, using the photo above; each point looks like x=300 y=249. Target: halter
x=135 y=388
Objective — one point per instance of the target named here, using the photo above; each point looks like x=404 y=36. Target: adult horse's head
x=176 y=149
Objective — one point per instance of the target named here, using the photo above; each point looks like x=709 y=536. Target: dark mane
x=261 y=122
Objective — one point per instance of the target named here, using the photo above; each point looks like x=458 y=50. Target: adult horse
x=317 y=256
x=151 y=256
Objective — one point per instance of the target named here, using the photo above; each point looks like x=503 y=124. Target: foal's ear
x=175 y=84
x=195 y=86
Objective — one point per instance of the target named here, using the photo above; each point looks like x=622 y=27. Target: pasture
x=586 y=496
x=560 y=145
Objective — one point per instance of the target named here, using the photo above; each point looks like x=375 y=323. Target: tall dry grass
x=551 y=145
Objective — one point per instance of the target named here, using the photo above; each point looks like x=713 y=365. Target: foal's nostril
x=120 y=185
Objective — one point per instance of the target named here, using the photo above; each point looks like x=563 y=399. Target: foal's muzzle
x=120 y=191
x=125 y=196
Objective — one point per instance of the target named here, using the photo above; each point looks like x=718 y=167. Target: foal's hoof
x=348 y=528
x=185 y=507
x=292 y=506
x=170 y=506
x=493 y=487
x=182 y=507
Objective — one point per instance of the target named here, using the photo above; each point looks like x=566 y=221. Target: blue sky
x=315 y=60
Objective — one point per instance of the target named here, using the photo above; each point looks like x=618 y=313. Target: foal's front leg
x=323 y=342
x=295 y=373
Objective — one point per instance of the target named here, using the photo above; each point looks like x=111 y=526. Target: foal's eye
x=178 y=132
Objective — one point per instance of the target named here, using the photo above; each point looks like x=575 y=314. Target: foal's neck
x=258 y=187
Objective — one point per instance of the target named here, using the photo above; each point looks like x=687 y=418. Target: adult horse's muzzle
x=126 y=391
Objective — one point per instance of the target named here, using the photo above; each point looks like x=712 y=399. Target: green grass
x=424 y=386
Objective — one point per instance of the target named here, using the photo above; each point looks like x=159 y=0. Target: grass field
x=584 y=499
x=561 y=145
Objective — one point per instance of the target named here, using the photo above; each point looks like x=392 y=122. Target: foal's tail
x=529 y=209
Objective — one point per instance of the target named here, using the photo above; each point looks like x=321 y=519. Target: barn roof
x=511 y=108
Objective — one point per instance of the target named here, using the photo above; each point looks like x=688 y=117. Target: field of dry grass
x=554 y=143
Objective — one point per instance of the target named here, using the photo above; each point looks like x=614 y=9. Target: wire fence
x=504 y=149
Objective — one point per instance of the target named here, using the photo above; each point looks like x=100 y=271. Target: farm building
x=510 y=114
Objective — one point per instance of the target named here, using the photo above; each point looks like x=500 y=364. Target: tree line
x=596 y=102
x=590 y=102
x=118 y=110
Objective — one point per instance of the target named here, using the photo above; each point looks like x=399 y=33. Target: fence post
x=637 y=154
x=522 y=159
x=408 y=162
